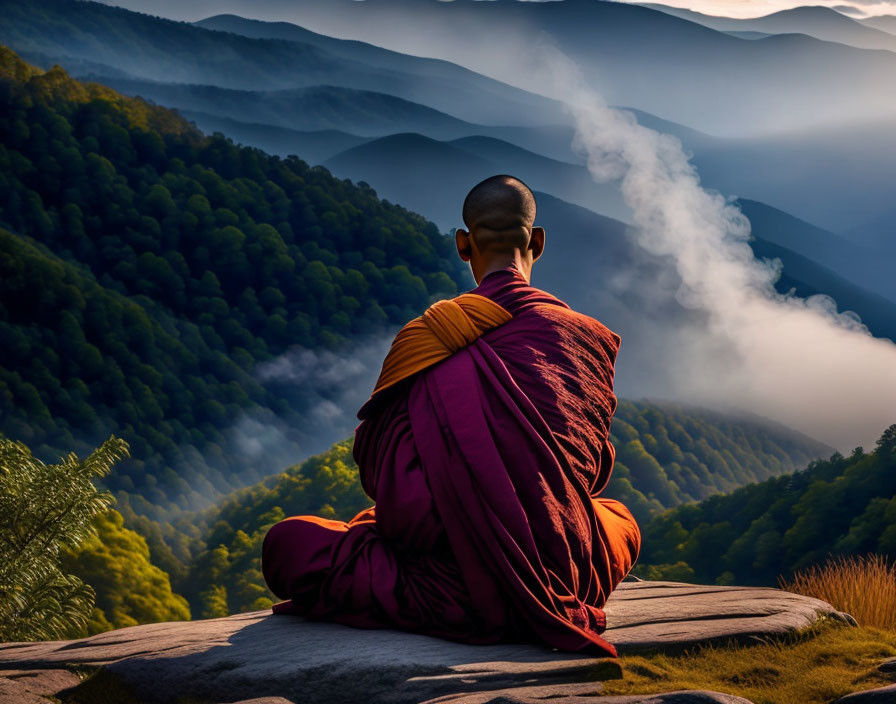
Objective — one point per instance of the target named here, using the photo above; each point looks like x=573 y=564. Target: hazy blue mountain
x=393 y=163
x=860 y=265
x=634 y=55
x=748 y=35
x=405 y=167
x=85 y=36
x=360 y=114
x=315 y=146
x=442 y=84
x=325 y=107
x=395 y=166
x=836 y=177
x=432 y=177
x=877 y=233
x=816 y=21
x=156 y=49
x=807 y=278
x=886 y=23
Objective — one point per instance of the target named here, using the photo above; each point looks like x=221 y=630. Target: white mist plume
x=791 y=359
x=325 y=389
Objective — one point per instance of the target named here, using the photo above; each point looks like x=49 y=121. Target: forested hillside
x=840 y=506
x=129 y=588
x=666 y=455
x=147 y=270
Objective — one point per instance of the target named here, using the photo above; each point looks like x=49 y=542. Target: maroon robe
x=485 y=469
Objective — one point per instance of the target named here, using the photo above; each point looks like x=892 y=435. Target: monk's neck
x=511 y=261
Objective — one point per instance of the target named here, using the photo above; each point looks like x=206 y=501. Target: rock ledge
x=285 y=659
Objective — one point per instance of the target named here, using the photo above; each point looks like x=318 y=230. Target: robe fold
x=485 y=446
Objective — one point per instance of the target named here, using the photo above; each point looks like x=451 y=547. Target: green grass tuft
x=814 y=666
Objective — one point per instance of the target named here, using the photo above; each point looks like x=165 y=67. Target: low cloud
x=746 y=346
x=324 y=388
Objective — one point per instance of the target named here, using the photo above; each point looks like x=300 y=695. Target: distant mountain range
x=837 y=177
x=878 y=233
x=885 y=22
x=315 y=146
x=432 y=178
x=439 y=84
x=323 y=107
x=633 y=55
x=863 y=266
x=115 y=42
x=815 y=21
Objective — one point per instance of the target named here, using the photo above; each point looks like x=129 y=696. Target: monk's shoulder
x=589 y=331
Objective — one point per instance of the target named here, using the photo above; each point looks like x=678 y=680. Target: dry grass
x=814 y=667
x=864 y=587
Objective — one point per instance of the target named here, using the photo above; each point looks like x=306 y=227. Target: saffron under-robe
x=485 y=447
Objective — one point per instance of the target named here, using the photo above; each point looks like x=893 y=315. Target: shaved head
x=499 y=203
x=500 y=217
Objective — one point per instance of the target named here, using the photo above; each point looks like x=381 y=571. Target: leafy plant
x=44 y=509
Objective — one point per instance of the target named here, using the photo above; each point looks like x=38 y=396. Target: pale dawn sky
x=192 y=10
x=758 y=8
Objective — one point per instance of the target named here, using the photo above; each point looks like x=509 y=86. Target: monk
x=485 y=445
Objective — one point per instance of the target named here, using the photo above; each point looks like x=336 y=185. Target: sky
x=758 y=8
x=192 y=10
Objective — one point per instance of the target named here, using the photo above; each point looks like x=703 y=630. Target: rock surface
x=540 y=695
x=257 y=656
x=881 y=695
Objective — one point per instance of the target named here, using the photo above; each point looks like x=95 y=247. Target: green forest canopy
x=147 y=269
x=666 y=454
x=839 y=506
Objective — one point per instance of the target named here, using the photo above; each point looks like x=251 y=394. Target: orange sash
x=443 y=329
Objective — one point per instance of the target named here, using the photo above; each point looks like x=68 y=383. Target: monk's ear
x=536 y=242
x=464 y=243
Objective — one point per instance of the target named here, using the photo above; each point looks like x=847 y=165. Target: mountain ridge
x=536 y=110
x=400 y=166
x=156 y=49
x=785 y=79
x=816 y=21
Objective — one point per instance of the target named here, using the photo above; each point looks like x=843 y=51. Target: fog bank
x=794 y=360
